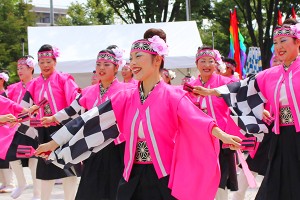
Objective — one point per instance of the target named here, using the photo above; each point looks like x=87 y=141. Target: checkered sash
x=25 y=128
x=85 y=135
x=73 y=111
x=246 y=104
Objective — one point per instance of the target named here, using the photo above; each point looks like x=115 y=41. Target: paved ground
x=58 y=191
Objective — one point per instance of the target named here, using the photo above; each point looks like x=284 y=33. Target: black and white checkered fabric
x=73 y=111
x=25 y=128
x=85 y=135
x=246 y=104
x=27 y=100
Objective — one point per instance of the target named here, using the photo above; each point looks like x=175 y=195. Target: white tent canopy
x=79 y=45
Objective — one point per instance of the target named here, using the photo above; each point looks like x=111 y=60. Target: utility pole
x=188 y=18
x=51 y=13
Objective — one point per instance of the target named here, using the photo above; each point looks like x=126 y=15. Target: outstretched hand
x=233 y=141
x=199 y=90
x=47 y=121
x=46 y=147
x=7 y=118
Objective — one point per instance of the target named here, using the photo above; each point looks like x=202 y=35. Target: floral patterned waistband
x=142 y=154
x=286 y=117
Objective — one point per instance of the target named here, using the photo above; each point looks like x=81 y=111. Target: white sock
x=70 y=187
x=222 y=194
x=46 y=189
x=36 y=182
x=243 y=186
x=7 y=177
x=17 y=169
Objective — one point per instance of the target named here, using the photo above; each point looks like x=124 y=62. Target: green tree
x=93 y=12
x=15 y=16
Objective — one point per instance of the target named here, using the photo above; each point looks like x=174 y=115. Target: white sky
x=56 y=3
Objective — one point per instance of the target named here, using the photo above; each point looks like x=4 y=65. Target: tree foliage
x=94 y=12
x=15 y=16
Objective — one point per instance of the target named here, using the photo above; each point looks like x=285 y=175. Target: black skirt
x=144 y=184
x=46 y=170
x=227 y=161
x=101 y=174
x=20 y=139
x=282 y=179
x=260 y=161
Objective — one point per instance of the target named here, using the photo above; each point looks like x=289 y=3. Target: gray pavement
x=57 y=193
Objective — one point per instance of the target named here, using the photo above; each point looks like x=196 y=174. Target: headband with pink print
x=288 y=31
x=215 y=54
x=116 y=58
x=54 y=53
x=154 y=45
x=26 y=61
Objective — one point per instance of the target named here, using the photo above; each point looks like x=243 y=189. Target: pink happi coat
x=133 y=81
x=270 y=81
x=16 y=91
x=8 y=106
x=216 y=106
x=91 y=97
x=178 y=136
x=60 y=90
x=7 y=133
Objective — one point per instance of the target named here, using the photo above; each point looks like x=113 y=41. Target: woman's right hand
x=46 y=147
x=199 y=90
x=46 y=121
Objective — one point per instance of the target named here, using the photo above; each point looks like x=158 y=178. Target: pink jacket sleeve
x=195 y=170
x=71 y=89
x=8 y=106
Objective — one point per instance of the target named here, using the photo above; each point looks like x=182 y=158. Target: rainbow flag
x=237 y=46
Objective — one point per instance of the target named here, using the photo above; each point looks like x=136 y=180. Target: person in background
x=59 y=90
x=167 y=75
x=128 y=75
x=16 y=92
x=208 y=61
x=95 y=78
x=230 y=69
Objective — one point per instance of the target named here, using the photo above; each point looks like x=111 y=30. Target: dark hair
x=109 y=49
x=204 y=47
x=112 y=47
x=290 y=21
x=155 y=31
x=231 y=61
x=46 y=47
x=28 y=56
x=159 y=32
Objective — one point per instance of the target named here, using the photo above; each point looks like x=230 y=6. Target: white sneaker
x=7 y=189
x=17 y=192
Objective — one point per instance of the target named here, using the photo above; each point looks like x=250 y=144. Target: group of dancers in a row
x=143 y=138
